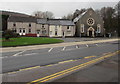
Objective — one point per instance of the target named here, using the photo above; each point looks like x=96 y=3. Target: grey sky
x=58 y=8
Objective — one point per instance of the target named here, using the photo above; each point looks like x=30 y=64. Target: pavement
x=78 y=39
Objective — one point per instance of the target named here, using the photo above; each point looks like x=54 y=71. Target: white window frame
x=98 y=28
x=82 y=28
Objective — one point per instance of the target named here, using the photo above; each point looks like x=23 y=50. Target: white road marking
x=63 y=48
x=19 y=53
x=30 y=54
x=96 y=44
x=77 y=46
x=50 y=50
x=87 y=45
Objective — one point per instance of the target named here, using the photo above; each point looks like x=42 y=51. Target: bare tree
x=69 y=16
x=38 y=14
x=64 y=17
x=48 y=14
x=41 y=14
x=78 y=12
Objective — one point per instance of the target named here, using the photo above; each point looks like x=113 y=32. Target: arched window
x=82 y=28
x=98 y=28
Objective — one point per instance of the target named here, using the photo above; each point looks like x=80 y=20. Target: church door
x=90 y=33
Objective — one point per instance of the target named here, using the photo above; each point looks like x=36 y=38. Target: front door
x=90 y=33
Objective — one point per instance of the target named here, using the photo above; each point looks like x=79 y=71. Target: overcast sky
x=59 y=8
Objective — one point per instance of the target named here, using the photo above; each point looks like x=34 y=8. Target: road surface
x=20 y=60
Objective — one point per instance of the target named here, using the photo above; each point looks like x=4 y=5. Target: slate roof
x=66 y=22
x=42 y=21
x=53 y=22
x=60 y=22
x=13 y=13
x=78 y=17
x=21 y=19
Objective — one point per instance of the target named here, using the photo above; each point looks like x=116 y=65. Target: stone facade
x=41 y=27
x=89 y=24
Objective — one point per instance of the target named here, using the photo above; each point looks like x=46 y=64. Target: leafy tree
x=4 y=22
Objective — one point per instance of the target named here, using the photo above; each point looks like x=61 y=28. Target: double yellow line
x=55 y=75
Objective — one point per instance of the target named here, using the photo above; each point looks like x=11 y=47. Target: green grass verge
x=29 y=41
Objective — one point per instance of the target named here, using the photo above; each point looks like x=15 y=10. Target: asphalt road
x=105 y=71
x=12 y=61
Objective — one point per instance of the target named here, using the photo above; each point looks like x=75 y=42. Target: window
x=44 y=32
x=14 y=25
x=29 y=25
x=55 y=32
x=43 y=25
x=14 y=30
x=56 y=28
x=68 y=32
x=50 y=32
x=29 y=30
x=82 y=28
x=90 y=21
x=20 y=30
x=98 y=28
x=38 y=31
x=24 y=30
x=68 y=27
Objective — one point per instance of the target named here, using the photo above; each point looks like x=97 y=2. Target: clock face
x=90 y=21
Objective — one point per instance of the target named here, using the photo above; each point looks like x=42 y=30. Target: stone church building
x=89 y=24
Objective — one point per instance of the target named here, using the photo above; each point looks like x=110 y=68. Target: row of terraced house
x=87 y=24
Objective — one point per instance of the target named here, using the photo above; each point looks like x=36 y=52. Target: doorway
x=90 y=32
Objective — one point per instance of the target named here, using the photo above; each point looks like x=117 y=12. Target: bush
x=9 y=34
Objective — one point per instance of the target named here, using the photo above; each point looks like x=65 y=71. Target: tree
x=117 y=14
x=78 y=12
x=64 y=17
x=38 y=14
x=4 y=22
x=107 y=13
x=69 y=16
x=46 y=14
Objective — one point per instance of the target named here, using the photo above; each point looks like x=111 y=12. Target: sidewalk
x=105 y=71
x=21 y=48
